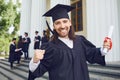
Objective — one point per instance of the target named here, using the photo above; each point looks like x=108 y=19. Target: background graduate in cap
x=37 y=40
x=65 y=57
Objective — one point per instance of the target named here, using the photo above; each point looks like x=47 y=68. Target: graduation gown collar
x=67 y=41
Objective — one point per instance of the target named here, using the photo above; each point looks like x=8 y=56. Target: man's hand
x=38 y=55
x=107 y=43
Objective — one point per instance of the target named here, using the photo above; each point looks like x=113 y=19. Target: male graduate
x=65 y=56
x=13 y=52
x=45 y=38
x=26 y=43
x=37 y=40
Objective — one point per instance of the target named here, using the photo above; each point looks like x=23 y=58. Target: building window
x=76 y=16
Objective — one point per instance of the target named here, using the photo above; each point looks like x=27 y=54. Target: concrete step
x=3 y=77
x=101 y=77
x=20 y=75
x=108 y=72
x=108 y=66
x=97 y=72
x=20 y=67
x=9 y=74
x=20 y=72
x=105 y=72
x=24 y=63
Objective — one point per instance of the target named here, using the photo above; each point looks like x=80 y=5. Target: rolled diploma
x=110 y=32
x=105 y=50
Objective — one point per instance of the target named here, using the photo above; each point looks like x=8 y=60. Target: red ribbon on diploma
x=108 y=39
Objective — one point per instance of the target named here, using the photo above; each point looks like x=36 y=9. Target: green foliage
x=4 y=42
x=8 y=16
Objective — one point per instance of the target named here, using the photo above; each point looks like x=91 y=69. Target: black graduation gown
x=44 y=39
x=12 y=53
x=19 y=53
x=64 y=63
x=26 y=44
x=37 y=44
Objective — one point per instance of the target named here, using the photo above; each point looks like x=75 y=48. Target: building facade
x=94 y=16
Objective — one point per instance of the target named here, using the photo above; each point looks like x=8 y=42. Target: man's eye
x=57 y=23
x=65 y=21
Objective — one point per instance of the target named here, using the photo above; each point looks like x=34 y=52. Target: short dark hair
x=26 y=33
x=13 y=39
x=20 y=38
x=36 y=32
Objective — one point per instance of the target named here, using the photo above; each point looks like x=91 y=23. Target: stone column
x=25 y=18
x=118 y=2
x=38 y=8
x=101 y=14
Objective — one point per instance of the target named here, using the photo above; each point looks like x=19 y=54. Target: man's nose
x=62 y=25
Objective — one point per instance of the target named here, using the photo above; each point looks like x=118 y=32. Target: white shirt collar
x=67 y=41
x=12 y=43
x=36 y=35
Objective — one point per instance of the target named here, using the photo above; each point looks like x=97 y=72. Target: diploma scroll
x=105 y=50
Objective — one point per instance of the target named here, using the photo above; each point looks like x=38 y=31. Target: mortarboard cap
x=59 y=11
